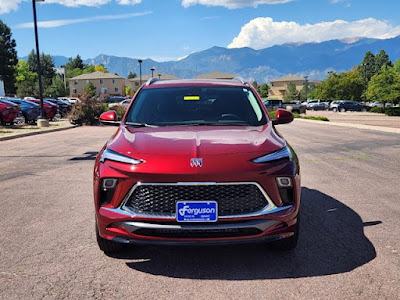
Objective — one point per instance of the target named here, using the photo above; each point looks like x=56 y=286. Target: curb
x=359 y=126
x=11 y=137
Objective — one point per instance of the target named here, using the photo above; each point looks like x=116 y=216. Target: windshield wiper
x=139 y=124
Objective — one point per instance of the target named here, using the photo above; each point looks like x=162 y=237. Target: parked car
x=317 y=106
x=351 y=106
x=114 y=99
x=50 y=109
x=63 y=107
x=125 y=103
x=296 y=107
x=380 y=104
x=9 y=112
x=71 y=100
x=334 y=105
x=30 y=110
x=196 y=162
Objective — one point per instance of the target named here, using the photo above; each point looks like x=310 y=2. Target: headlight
x=114 y=156
x=281 y=153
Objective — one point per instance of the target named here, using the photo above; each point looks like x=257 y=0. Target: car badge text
x=196 y=162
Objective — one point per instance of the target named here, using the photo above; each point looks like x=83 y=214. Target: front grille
x=160 y=200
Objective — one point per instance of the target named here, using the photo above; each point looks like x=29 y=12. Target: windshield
x=196 y=106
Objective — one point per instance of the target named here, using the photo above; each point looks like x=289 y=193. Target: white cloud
x=232 y=4
x=59 y=23
x=7 y=6
x=265 y=32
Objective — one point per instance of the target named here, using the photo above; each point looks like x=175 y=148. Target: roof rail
x=151 y=80
x=240 y=79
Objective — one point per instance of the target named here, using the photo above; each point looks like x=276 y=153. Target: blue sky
x=171 y=29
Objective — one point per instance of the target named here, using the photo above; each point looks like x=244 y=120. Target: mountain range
x=312 y=59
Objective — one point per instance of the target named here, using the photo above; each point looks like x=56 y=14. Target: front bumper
x=120 y=226
x=277 y=220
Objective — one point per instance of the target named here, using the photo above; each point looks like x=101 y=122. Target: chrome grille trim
x=269 y=208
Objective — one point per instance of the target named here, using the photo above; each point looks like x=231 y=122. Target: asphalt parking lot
x=349 y=240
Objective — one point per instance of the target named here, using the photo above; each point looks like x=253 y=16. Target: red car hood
x=169 y=150
x=195 y=141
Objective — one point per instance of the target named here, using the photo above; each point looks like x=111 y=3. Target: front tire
x=107 y=246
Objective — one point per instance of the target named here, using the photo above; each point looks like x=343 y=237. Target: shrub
x=87 y=111
x=120 y=109
x=392 y=111
x=377 y=110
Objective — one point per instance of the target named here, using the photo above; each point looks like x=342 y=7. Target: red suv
x=196 y=162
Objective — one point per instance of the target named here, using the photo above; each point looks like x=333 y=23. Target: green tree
x=303 y=95
x=396 y=66
x=56 y=89
x=8 y=58
x=291 y=93
x=381 y=59
x=131 y=75
x=26 y=81
x=46 y=66
x=367 y=68
x=76 y=63
x=312 y=91
x=264 y=90
x=385 y=87
x=90 y=90
x=127 y=90
x=350 y=86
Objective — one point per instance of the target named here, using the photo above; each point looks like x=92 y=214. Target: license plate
x=199 y=211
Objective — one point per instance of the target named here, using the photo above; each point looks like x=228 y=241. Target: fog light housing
x=108 y=186
x=284 y=182
x=109 y=183
x=285 y=187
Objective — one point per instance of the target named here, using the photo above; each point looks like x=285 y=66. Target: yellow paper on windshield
x=195 y=98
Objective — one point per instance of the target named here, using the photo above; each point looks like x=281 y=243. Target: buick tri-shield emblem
x=196 y=162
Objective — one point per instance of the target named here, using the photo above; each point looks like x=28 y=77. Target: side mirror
x=109 y=118
x=282 y=117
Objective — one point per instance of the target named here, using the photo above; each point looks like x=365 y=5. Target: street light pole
x=152 y=72
x=42 y=121
x=65 y=83
x=306 y=84
x=140 y=71
x=159 y=76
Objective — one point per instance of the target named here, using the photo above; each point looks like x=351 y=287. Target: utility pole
x=42 y=121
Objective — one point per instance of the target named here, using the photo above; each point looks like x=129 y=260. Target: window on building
x=74 y=91
x=116 y=90
x=113 y=81
x=75 y=82
x=101 y=81
x=87 y=80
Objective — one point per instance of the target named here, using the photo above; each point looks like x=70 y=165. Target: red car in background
x=50 y=109
x=196 y=162
x=8 y=112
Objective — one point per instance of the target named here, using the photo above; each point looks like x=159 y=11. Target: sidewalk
x=17 y=131
x=370 y=121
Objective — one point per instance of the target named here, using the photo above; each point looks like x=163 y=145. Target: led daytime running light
x=280 y=154
x=114 y=156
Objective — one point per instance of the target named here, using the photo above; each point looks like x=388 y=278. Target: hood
x=195 y=141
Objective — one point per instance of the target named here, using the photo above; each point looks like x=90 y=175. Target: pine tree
x=382 y=59
x=8 y=58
